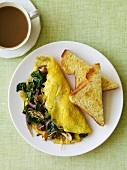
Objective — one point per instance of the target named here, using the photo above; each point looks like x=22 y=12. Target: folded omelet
x=63 y=113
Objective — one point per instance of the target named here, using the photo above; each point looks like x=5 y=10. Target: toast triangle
x=73 y=65
x=88 y=95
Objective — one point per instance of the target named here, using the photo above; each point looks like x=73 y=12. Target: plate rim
x=103 y=140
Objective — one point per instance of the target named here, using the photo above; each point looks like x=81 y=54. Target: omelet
x=57 y=89
x=47 y=107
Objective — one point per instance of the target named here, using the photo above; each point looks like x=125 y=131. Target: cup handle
x=34 y=14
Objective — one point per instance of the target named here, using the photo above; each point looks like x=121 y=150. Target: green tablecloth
x=101 y=24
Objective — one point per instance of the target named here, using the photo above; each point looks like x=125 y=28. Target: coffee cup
x=15 y=25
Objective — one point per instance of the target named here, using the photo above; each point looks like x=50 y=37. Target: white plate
x=113 y=100
x=35 y=31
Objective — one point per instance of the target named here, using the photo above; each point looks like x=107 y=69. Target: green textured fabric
x=101 y=24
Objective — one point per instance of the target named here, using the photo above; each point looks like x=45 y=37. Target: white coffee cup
x=29 y=16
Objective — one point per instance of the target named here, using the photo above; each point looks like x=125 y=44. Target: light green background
x=101 y=24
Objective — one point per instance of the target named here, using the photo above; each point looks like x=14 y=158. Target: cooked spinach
x=44 y=79
x=32 y=105
x=31 y=86
x=38 y=79
x=29 y=95
x=38 y=106
x=38 y=82
x=25 y=108
x=47 y=115
x=33 y=118
x=36 y=73
x=52 y=129
x=21 y=86
x=83 y=135
x=60 y=131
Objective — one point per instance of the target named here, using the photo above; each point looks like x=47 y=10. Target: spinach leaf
x=83 y=135
x=38 y=106
x=39 y=82
x=31 y=86
x=34 y=118
x=31 y=119
x=21 y=86
x=29 y=95
x=53 y=125
x=40 y=120
x=25 y=108
x=44 y=79
x=36 y=74
x=47 y=116
x=60 y=131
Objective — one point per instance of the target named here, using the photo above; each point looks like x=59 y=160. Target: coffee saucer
x=35 y=31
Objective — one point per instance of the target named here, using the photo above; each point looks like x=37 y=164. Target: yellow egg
x=63 y=113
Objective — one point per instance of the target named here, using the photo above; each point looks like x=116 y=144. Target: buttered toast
x=88 y=95
x=73 y=65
